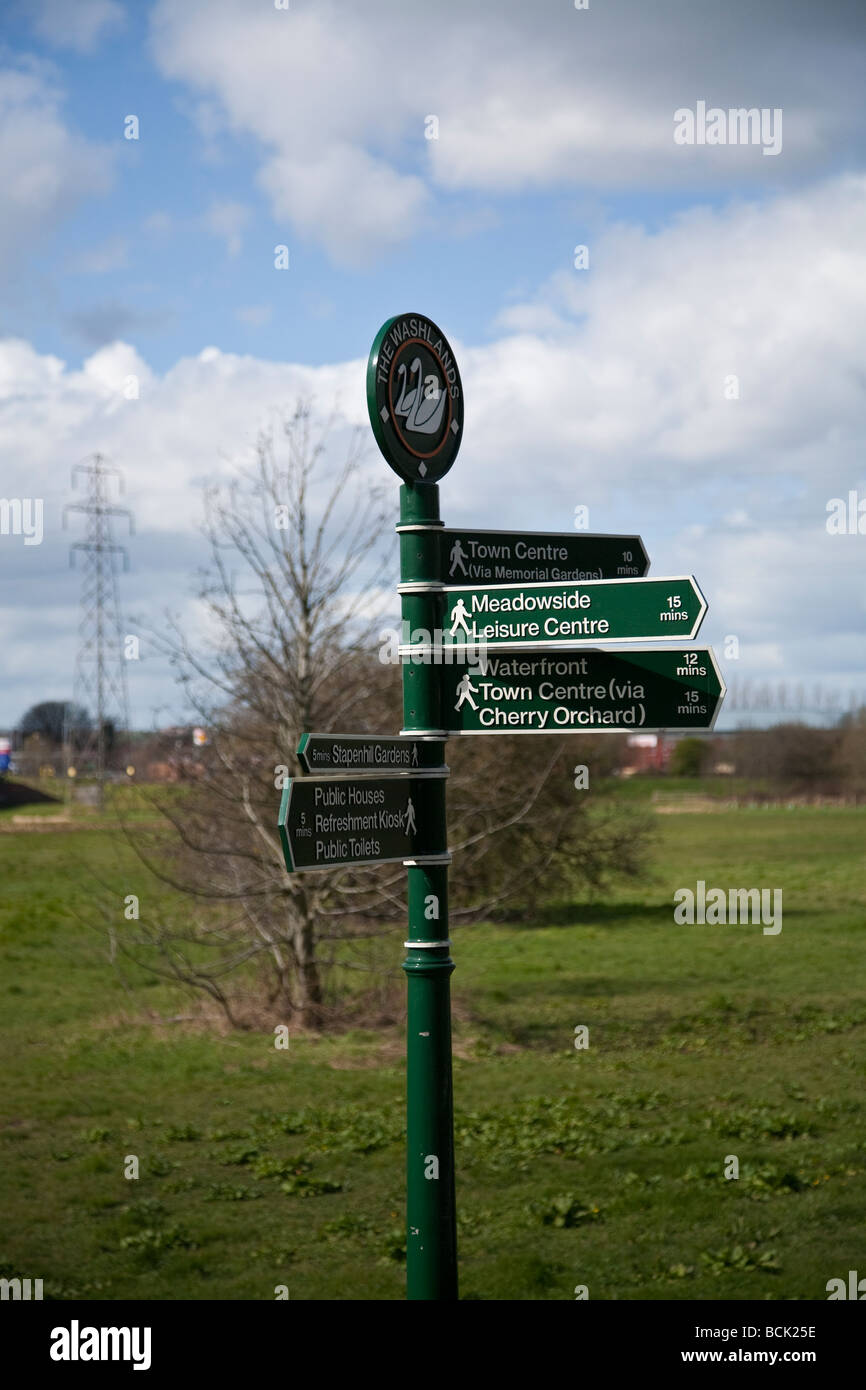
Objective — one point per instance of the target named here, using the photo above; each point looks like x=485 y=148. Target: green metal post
x=431 y=1236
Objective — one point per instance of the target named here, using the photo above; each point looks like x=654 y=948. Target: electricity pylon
x=99 y=685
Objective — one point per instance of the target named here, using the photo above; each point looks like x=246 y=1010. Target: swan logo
x=415 y=398
x=421 y=403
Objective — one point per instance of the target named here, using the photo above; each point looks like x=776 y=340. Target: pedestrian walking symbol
x=457 y=557
x=459 y=618
x=465 y=691
x=411 y=827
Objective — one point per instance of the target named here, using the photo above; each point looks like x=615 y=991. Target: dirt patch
x=679 y=803
x=36 y=823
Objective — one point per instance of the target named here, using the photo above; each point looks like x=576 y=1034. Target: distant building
x=646 y=753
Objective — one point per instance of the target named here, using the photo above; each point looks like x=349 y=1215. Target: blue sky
x=306 y=127
x=148 y=260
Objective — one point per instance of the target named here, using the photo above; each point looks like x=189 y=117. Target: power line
x=100 y=683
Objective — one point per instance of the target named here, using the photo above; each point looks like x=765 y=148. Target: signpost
x=465 y=594
x=506 y=557
x=589 y=691
x=532 y=616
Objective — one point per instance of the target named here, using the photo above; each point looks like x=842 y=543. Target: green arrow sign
x=583 y=692
x=360 y=753
x=326 y=822
x=505 y=557
x=536 y=615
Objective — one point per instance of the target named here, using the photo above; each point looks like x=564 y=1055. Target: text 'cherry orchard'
x=583 y=692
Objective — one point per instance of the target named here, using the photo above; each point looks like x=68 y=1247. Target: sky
x=696 y=376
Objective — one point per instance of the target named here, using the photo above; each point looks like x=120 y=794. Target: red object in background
x=648 y=752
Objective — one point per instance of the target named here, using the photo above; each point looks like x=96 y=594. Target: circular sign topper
x=415 y=398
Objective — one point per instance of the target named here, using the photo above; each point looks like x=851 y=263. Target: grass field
x=602 y=1167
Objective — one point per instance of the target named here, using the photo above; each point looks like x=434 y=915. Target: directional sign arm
x=532 y=616
x=583 y=691
x=501 y=557
x=333 y=822
x=282 y=823
x=367 y=753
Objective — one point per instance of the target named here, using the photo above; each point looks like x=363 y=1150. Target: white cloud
x=353 y=204
x=108 y=371
x=45 y=169
x=298 y=81
x=620 y=408
x=193 y=422
x=75 y=24
x=527 y=97
x=639 y=347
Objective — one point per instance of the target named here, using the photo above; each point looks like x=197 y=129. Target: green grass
x=128 y=800
x=602 y=1167
x=644 y=786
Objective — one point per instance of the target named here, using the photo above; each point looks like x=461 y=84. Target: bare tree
x=851 y=753
x=796 y=757
x=295 y=596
